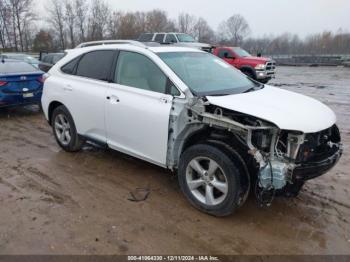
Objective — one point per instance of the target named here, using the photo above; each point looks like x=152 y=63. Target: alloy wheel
x=207 y=181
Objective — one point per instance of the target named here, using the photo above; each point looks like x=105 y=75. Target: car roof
x=166 y=33
x=8 y=60
x=19 y=62
x=164 y=49
x=16 y=54
x=132 y=47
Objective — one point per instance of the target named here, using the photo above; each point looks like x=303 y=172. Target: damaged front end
x=284 y=159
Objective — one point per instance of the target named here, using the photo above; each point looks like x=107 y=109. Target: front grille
x=317 y=146
x=271 y=66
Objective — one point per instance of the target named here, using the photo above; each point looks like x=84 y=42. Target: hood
x=255 y=59
x=285 y=109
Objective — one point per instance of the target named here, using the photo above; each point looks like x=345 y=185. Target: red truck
x=261 y=69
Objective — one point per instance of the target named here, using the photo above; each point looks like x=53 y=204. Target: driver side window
x=138 y=71
x=224 y=53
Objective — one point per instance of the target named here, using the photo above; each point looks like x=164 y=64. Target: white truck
x=193 y=113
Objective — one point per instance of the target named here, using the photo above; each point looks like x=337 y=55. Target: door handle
x=68 y=88
x=164 y=100
x=113 y=99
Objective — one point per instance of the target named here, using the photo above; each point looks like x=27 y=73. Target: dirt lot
x=52 y=202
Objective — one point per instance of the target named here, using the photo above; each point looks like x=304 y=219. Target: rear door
x=85 y=85
x=138 y=108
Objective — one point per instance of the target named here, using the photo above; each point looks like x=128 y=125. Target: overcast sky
x=264 y=16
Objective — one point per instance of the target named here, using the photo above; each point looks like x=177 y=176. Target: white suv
x=189 y=111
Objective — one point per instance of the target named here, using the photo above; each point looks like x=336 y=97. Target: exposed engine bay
x=284 y=159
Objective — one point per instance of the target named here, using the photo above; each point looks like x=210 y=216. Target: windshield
x=206 y=74
x=185 y=38
x=241 y=52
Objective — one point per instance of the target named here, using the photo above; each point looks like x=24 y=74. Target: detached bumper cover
x=311 y=170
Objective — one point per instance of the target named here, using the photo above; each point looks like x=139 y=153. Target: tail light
x=3 y=83
x=41 y=79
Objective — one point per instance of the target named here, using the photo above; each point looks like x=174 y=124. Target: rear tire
x=210 y=180
x=65 y=131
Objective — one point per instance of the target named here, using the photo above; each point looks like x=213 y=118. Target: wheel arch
x=230 y=145
x=248 y=68
x=52 y=106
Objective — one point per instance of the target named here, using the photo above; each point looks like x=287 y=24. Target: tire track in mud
x=41 y=185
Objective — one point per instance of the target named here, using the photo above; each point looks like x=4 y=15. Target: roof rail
x=112 y=42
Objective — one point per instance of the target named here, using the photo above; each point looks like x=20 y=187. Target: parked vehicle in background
x=50 y=59
x=177 y=39
x=22 y=57
x=261 y=69
x=20 y=83
x=189 y=111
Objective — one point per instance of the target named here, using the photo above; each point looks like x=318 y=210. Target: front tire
x=65 y=131
x=249 y=73
x=210 y=180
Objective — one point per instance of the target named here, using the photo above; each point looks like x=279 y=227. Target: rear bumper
x=312 y=170
x=11 y=100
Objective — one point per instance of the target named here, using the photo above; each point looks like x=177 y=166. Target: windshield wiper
x=254 y=88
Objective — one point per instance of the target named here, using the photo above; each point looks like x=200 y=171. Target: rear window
x=70 y=67
x=11 y=67
x=96 y=64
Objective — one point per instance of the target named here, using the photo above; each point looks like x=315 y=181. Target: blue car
x=20 y=83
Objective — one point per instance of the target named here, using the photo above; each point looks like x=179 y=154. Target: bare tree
x=56 y=19
x=21 y=14
x=98 y=20
x=157 y=21
x=203 y=32
x=234 y=29
x=5 y=23
x=130 y=25
x=81 y=9
x=70 y=20
x=186 y=23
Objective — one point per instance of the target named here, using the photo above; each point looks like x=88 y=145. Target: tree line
x=67 y=23
x=16 y=17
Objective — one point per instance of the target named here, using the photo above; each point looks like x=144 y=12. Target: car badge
x=23 y=78
x=25 y=89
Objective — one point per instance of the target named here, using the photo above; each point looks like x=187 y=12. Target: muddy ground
x=52 y=202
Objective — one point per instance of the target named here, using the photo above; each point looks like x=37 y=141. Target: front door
x=138 y=110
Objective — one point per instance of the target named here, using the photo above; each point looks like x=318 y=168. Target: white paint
x=287 y=110
x=138 y=124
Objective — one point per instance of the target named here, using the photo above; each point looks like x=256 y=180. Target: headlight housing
x=260 y=67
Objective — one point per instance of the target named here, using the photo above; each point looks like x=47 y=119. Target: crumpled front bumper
x=307 y=171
